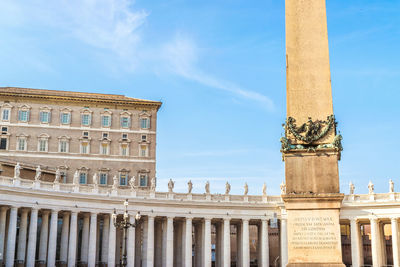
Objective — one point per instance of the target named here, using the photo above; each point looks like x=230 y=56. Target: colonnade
x=53 y=237
x=378 y=249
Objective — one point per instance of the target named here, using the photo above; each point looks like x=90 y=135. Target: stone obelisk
x=311 y=147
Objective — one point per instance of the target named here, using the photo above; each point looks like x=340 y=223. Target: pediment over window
x=24 y=107
x=125 y=113
x=64 y=137
x=106 y=112
x=44 y=136
x=22 y=135
x=67 y=110
x=45 y=108
x=143 y=171
x=144 y=113
x=86 y=111
x=7 y=105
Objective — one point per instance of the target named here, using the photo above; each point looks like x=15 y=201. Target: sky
x=218 y=66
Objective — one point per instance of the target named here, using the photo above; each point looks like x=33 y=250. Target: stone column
x=284 y=244
x=218 y=254
x=22 y=236
x=72 y=239
x=138 y=244
x=131 y=243
x=395 y=242
x=198 y=236
x=85 y=238
x=44 y=236
x=188 y=243
x=64 y=238
x=177 y=243
x=104 y=241
x=12 y=232
x=264 y=253
x=150 y=242
x=51 y=257
x=375 y=242
x=31 y=253
x=169 y=244
x=355 y=242
x=207 y=242
x=239 y=247
x=226 y=262
x=3 y=217
x=245 y=243
x=91 y=258
x=111 y=244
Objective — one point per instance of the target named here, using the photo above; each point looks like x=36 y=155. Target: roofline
x=85 y=97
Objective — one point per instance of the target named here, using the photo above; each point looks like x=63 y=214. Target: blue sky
x=219 y=69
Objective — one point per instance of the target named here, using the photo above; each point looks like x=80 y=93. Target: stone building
x=80 y=133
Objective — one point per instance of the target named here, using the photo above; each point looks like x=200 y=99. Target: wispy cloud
x=181 y=55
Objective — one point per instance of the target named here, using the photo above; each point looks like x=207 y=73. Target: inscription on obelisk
x=311 y=148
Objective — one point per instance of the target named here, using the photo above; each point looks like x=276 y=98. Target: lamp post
x=124 y=225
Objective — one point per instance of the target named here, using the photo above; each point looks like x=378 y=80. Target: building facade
x=80 y=134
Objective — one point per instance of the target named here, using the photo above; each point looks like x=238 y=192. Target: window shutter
x=19 y=115
x=90 y=119
x=27 y=115
x=121 y=121
x=129 y=122
x=69 y=118
x=49 y=116
x=40 y=116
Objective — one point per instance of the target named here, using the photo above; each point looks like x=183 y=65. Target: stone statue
x=38 y=174
x=115 y=183
x=283 y=188
x=153 y=184
x=370 y=188
x=95 y=180
x=246 y=189
x=132 y=183
x=75 y=181
x=190 y=186
x=227 y=188
x=352 y=187
x=57 y=176
x=207 y=187
x=391 y=186
x=171 y=185
x=264 y=189
x=17 y=170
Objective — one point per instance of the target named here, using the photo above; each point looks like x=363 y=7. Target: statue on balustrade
x=38 y=174
x=153 y=184
x=352 y=188
x=227 y=188
x=17 y=170
x=190 y=186
x=246 y=189
x=264 y=189
x=207 y=187
x=115 y=183
x=283 y=188
x=391 y=186
x=95 y=180
x=132 y=183
x=370 y=188
x=171 y=185
x=57 y=176
x=75 y=180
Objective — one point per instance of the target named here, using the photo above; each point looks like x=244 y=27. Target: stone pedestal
x=313 y=229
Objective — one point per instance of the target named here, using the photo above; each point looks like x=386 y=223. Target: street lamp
x=124 y=225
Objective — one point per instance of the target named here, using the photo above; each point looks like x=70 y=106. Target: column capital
x=245 y=219
x=394 y=219
x=93 y=214
x=227 y=219
x=265 y=219
x=353 y=219
x=4 y=208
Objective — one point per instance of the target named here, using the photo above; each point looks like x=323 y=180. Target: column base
x=315 y=264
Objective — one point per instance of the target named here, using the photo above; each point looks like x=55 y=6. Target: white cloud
x=181 y=55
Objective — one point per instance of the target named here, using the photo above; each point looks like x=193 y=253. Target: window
x=65 y=118
x=103 y=178
x=43 y=145
x=63 y=175
x=124 y=150
x=143 y=151
x=143 y=179
x=105 y=135
x=44 y=116
x=82 y=177
x=85 y=134
x=6 y=114
x=105 y=121
x=86 y=119
x=63 y=146
x=84 y=148
x=144 y=138
x=125 y=122
x=123 y=179
x=3 y=143
x=145 y=123
x=124 y=136
x=21 y=144
x=4 y=130
x=104 y=149
x=23 y=115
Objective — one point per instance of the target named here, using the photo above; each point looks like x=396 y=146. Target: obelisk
x=311 y=147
